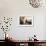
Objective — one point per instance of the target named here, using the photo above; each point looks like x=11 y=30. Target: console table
x=2 y=43
x=27 y=43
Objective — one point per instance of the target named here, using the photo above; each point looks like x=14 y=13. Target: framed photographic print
x=26 y=20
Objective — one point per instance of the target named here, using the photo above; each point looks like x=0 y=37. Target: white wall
x=15 y=8
x=23 y=33
x=45 y=28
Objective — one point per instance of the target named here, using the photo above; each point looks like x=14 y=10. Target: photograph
x=26 y=20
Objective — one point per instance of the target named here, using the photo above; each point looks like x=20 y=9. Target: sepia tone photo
x=25 y=20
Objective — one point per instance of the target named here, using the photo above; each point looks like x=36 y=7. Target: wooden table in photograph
x=28 y=43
